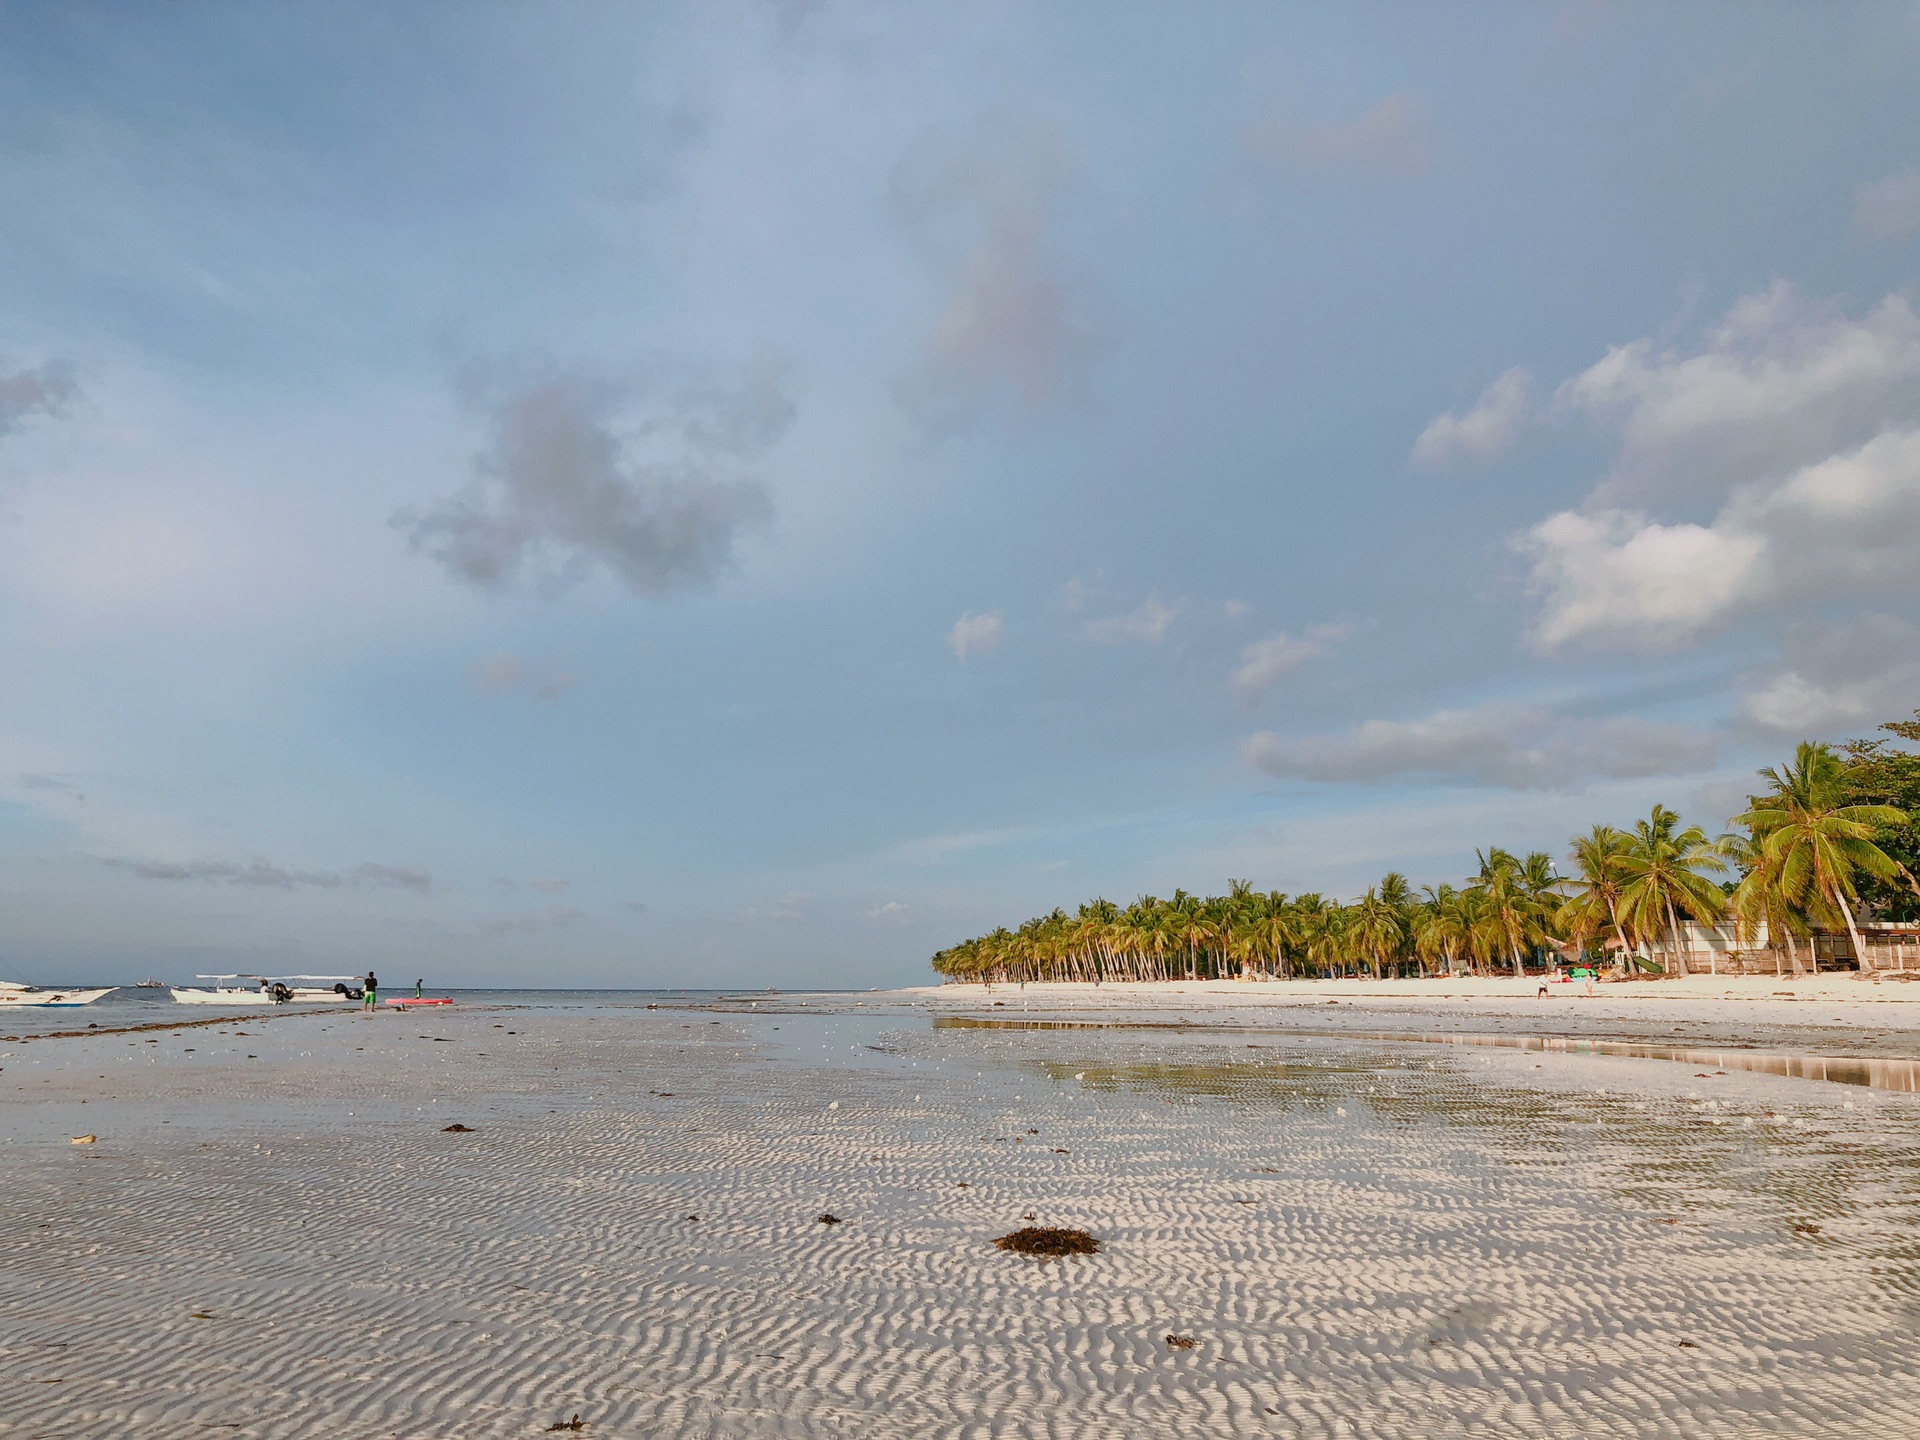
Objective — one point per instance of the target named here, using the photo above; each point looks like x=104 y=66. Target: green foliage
x=1878 y=773
x=1830 y=838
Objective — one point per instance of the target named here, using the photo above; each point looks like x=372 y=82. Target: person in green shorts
x=372 y=989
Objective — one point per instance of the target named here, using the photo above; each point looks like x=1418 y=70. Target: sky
x=752 y=493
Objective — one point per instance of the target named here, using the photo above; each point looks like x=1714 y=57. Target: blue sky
x=749 y=494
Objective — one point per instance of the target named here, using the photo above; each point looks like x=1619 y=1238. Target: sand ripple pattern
x=1363 y=1239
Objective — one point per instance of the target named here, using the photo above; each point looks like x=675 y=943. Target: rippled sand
x=1364 y=1238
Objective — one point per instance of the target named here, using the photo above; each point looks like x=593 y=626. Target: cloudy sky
x=751 y=493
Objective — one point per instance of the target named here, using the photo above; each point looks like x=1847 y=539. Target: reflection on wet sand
x=1875 y=1074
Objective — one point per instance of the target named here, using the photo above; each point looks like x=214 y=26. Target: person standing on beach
x=417 y=988
x=372 y=989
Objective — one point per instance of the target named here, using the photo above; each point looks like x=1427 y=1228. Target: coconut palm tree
x=1806 y=853
x=1315 y=929
x=1662 y=880
x=1593 y=891
x=1442 y=926
x=1376 y=931
x=1278 y=930
x=1758 y=903
x=1816 y=841
x=1514 y=909
x=1191 y=928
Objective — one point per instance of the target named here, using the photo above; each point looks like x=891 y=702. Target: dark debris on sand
x=1181 y=1342
x=1044 y=1240
x=827 y=1217
x=576 y=1423
x=456 y=1129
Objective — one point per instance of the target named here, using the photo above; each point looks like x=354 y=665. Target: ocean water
x=131 y=1005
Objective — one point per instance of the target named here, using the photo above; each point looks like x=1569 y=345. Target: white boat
x=16 y=994
x=269 y=990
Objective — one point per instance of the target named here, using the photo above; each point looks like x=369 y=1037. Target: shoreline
x=1828 y=985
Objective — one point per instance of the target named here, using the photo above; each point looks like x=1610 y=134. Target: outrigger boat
x=269 y=990
x=12 y=994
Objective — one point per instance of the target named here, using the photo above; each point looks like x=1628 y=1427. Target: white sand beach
x=273 y=1233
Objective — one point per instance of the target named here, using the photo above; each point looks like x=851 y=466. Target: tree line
x=1828 y=844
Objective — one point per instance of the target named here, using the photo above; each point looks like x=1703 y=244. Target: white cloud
x=1797 y=427
x=1390 y=137
x=1512 y=747
x=1485 y=432
x=976 y=634
x=1009 y=332
x=1265 y=662
x=1845 y=526
x=1836 y=679
x=1148 y=624
x=1616 y=577
x=891 y=913
x=1780 y=384
x=1889 y=209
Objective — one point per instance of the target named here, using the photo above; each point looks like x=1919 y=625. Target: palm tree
x=1315 y=927
x=1806 y=853
x=1817 y=842
x=1593 y=892
x=1483 y=937
x=1191 y=928
x=1662 y=881
x=1441 y=926
x=1514 y=909
x=1758 y=903
x=1278 y=929
x=1376 y=930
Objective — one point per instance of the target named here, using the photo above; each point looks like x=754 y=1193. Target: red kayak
x=407 y=1002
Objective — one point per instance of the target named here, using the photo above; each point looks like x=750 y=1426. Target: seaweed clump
x=1045 y=1240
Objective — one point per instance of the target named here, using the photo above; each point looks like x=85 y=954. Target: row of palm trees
x=1790 y=866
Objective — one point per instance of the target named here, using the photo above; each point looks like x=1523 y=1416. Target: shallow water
x=1873 y=1073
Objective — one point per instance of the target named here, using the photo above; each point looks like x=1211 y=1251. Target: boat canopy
x=249 y=976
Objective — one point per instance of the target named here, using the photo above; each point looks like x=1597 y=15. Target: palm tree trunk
x=1613 y=913
x=1673 y=931
x=1853 y=930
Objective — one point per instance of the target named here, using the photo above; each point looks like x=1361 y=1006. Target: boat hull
x=189 y=996
x=52 y=999
x=221 y=997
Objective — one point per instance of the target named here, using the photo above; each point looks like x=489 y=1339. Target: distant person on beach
x=417 y=988
x=372 y=988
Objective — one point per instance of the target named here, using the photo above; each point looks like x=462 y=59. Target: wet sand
x=1362 y=1235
